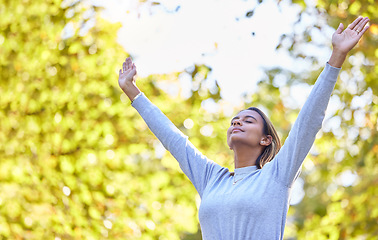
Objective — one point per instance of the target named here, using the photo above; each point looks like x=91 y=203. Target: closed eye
x=247 y=121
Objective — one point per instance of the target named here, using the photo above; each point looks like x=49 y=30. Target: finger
x=340 y=28
x=361 y=25
x=354 y=23
x=364 y=30
x=125 y=64
x=366 y=21
x=120 y=72
x=129 y=63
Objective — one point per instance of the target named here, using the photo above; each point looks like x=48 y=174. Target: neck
x=245 y=156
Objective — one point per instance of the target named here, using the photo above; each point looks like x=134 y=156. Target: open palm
x=127 y=74
x=345 y=40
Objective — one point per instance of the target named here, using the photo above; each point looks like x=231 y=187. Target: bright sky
x=176 y=34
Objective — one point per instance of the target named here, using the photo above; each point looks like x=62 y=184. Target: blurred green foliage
x=341 y=172
x=77 y=162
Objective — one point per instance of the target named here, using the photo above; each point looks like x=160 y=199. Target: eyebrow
x=248 y=116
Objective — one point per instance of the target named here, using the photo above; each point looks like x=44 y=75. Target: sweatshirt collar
x=245 y=170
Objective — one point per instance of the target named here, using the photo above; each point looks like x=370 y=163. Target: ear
x=266 y=140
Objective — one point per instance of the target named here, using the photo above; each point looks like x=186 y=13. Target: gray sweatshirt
x=255 y=207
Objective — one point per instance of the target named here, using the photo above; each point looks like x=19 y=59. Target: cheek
x=256 y=133
x=257 y=129
x=228 y=132
x=228 y=135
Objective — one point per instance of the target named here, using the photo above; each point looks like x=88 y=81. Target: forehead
x=245 y=113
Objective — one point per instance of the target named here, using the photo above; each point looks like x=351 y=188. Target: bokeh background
x=77 y=162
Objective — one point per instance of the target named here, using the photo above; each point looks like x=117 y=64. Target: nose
x=236 y=122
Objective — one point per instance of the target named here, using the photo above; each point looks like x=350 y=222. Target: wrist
x=132 y=100
x=131 y=90
x=337 y=58
x=338 y=52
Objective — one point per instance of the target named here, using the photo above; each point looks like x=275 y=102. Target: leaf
x=249 y=13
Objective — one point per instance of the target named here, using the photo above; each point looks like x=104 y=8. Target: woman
x=252 y=202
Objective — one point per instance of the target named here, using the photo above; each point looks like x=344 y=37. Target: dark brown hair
x=270 y=151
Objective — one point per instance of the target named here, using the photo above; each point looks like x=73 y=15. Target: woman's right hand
x=126 y=79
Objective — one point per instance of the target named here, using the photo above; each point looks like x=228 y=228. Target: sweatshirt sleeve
x=288 y=161
x=194 y=164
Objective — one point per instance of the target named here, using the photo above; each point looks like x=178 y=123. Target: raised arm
x=194 y=164
x=302 y=135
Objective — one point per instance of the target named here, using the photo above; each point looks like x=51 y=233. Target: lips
x=236 y=130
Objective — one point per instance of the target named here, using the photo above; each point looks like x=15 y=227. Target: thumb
x=340 y=28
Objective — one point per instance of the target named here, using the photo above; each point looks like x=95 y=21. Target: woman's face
x=246 y=128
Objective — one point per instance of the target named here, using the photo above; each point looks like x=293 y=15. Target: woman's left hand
x=344 y=41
